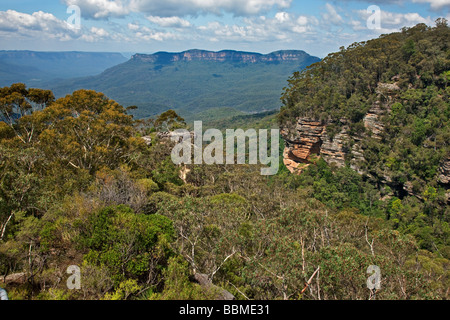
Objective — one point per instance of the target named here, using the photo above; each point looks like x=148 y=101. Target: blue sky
x=146 y=26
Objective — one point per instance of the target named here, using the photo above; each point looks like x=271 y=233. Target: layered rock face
x=372 y=120
x=444 y=171
x=444 y=176
x=306 y=137
x=303 y=139
x=307 y=140
x=222 y=56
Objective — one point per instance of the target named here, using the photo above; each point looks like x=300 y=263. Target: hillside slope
x=196 y=80
x=382 y=109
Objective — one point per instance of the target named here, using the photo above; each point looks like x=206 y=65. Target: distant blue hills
x=35 y=67
x=191 y=82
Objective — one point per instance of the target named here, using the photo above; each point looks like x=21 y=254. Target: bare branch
x=310 y=280
x=4 y=225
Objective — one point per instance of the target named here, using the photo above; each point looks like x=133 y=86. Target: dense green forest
x=80 y=186
x=192 y=87
x=402 y=162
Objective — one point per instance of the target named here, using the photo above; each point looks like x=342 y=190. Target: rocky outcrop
x=333 y=150
x=303 y=138
x=147 y=140
x=15 y=278
x=444 y=171
x=307 y=140
x=372 y=120
x=444 y=176
x=306 y=137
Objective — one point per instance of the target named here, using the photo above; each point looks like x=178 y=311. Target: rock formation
x=372 y=120
x=15 y=278
x=444 y=176
x=307 y=140
x=306 y=137
x=444 y=171
x=221 y=56
x=302 y=140
x=147 y=140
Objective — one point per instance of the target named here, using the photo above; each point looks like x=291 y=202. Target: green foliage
x=177 y=285
x=126 y=243
x=166 y=172
x=190 y=87
x=404 y=75
x=86 y=190
x=341 y=188
x=125 y=289
x=169 y=121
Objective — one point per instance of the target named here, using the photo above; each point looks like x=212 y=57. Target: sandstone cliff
x=444 y=176
x=444 y=171
x=222 y=56
x=307 y=139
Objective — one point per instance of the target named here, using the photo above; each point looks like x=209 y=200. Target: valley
x=89 y=184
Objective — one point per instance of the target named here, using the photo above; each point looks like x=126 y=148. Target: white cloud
x=282 y=16
x=147 y=34
x=435 y=4
x=133 y=26
x=402 y=19
x=169 y=22
x=331 y=15
x=283 y=27
x=302 y=20
x=44 y=26
x=38 y=24
x=100 y=32
x=101 y=9
x=169 y=8
x=391 y=21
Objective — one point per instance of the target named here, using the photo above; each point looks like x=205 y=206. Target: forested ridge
x=80 y=186
x=401 y=81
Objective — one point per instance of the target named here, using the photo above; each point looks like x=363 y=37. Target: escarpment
x=380 y=107
x=221 y=56
x=444 y=176
x=444 y=171
x=307 y=139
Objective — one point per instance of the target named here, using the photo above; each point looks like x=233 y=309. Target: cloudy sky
x=146 y=26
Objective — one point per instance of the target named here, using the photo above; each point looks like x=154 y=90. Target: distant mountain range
x=196 y=80
x=222 y=56
x=34 y=68
x=193 y=82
